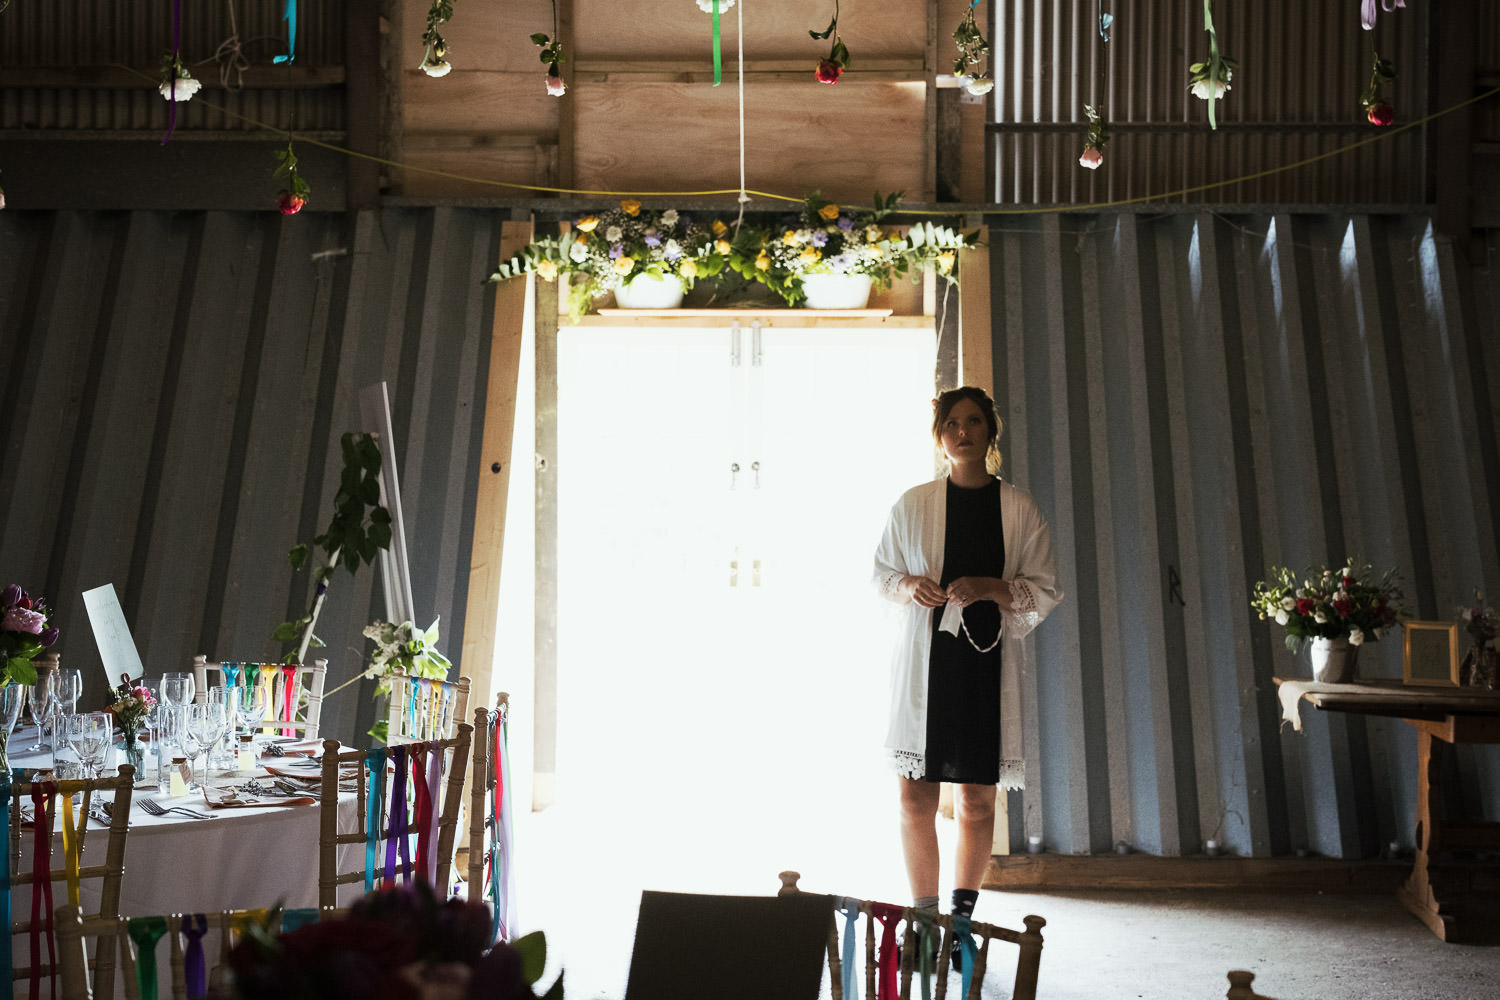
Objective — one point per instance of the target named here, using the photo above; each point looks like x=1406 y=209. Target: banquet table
x=243 y=858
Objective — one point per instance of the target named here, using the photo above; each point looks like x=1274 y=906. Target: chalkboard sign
x=1429 y=653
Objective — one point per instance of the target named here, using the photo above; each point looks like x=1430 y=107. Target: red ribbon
x=41 y=885
x=424 y=812
x=288 y=698
x=887 y=987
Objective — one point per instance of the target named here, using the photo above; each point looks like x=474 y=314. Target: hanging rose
x=289 y=200
x=1367 y=11
x=833 y=65
x=1380 y=114
x=1093 y=143
x=434 y=47
x=552 y=55
x=972 y=50
x=177 y=84
x=1377 y=111
x=1205 y=85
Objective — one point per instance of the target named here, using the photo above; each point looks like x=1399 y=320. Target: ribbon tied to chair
x=41 y=886
x=6 y=959
x=396 y=830
x=375 y=764
x=926 y=930
x=963 y=933
x=887 y=987
x=195 y=970
x=501 y=874
x=146 y=932
x=289 y=699
x=850 y=909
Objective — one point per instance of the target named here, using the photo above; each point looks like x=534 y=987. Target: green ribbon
x=146 y=932
x=926 y=960
x=718 y=59
x=1213 y=62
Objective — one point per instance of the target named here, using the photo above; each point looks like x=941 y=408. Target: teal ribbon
x=146 y=932
x=231 y=673
x=963 y=930
x=292 y=919
x=718 y=59
x=375 y=762
x=290 y=17
x=850 y=908
x=7 y=961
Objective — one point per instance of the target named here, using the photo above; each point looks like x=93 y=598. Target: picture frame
x=1429 y=654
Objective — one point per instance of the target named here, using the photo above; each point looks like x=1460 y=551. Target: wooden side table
x=1449 y=897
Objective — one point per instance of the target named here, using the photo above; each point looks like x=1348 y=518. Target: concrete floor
x=581 y=875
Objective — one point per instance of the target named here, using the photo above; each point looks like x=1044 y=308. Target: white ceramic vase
x=837 y=291
x=1333 y=660
x=647 y=291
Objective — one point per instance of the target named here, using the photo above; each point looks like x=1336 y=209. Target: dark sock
x=963 y=902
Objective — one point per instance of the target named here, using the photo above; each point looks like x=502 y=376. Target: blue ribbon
x=850 y=908
x=231 y=672
x=963 y=930
x=375 y=763
x=292 y=919
x=7 y=988
x=290 y=17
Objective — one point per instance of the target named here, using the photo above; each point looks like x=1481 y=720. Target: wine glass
x=248 y=703
x=177 y=689
x=69 y=687
x=89 y=734
x=205 y=724
x=12 y=697
x=41 y=693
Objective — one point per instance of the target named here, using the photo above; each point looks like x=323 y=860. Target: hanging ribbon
x=268 y=674
x=231 y=673
x=7 y=960
x=292 y=919
x=176 y=56
x=375 y=764
x=1213 y=62
x=290 y=17
x=146 y=932
x=502 y=871
x=194 y=926
x=887 y=986
x=41 y=886
x=850 y=909
x=963 y=931
x=927 y=949
x=718 y=57
x=423 y=796
x=72 y=849
x=288 y=698
x=396 y=830
x=240 y=920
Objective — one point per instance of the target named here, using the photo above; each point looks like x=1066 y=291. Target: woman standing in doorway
x=970 y=558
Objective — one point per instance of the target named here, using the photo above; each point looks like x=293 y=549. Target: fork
x=157 y=809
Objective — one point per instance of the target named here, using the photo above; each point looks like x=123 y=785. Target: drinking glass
x=248 y=703
x=205 y=724
x=12 y=697
x=90 y=735
x=222 y=698
x=177 y=691
x=69 y=687
x=42 y=694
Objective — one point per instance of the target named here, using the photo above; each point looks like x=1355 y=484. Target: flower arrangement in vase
x=25 y=630
x=130 y=703
x=1332 y=609
x=1481 y=666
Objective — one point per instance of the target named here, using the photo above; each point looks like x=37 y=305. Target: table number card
x=112 y=633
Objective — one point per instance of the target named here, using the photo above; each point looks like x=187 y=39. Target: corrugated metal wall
x=173 y=388
x=1194 y=398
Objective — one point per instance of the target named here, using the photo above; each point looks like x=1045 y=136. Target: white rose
x=1288 y=603
x=440 y=68
x=1319 y=617
x=1282 y=617
x=1356 y=637
x=186 y=88
x=979 y=87
x=1204 y=89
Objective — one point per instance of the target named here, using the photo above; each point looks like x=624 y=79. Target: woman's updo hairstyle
x=944 y=404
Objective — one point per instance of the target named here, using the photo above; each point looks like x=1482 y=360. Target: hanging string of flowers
x=292 y=197
x=833 y=65
x=435 y=48
x=1377 y=111
x=1209 y=80
x=972 y=50
x=1098 y=133
x=552 y=54
x=174 y=73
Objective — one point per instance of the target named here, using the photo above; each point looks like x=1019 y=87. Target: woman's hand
x=968 y=589
x=924 y=591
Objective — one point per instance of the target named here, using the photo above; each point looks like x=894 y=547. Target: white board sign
x=112 y=633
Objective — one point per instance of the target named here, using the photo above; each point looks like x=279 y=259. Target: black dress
x=963 y=684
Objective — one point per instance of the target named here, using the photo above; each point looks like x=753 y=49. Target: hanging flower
x=707 y=6
x=972 y=50
x=552 y=55
x=979 y=85
x=289 y=200
x=1204 y=85
x=1093 y=144
x=177 y=84
x=556 y=87
x=434 y=48
x=1377 y=111
x=833 y=65
x=1367 y=11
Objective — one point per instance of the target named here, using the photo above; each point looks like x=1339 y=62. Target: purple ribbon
x=176 y=55
x=194 y=926
x=396 y=831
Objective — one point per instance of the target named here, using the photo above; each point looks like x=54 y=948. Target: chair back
x=1028 y=961
x=69 y=867
x=489 y=816
x=295 y=691
x=424 y=709
x=391 y=799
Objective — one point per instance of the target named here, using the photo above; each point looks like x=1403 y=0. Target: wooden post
x=976 y=354
x=1029 y=963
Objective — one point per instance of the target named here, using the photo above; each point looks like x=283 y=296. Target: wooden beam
x=362 y=102
x=544 y=586
x=1453 y=33
x=930 y=106
x=567 y=117
x=482 y=614
x=976 y=353
x=118 y=77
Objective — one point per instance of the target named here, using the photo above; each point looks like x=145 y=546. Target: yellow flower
x=719 y=228
x=790 y=238
x=587 y=223
x=809 y=255
x=829 y=212
x=630 y=207
x=722 y=246
x=689 y=269
x=624 y=265
x=762 y=262
x=945 y=262
x=547 y=269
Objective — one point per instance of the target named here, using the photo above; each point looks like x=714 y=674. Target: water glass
x=205 y=724
x=42 y=694
x=69 y=687
x=90 y=734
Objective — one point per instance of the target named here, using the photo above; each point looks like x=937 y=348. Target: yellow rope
x=1385 y=133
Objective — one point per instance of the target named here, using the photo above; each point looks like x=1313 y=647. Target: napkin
x=228 y=798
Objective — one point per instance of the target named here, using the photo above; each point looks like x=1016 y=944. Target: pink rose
x=556 y=87
x=1091 y=158
x=21 y=620
x=289 y=203
x=828 y=71
x=1380 y=114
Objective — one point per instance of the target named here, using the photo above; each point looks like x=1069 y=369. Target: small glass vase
x=133 y=752
x=1481 y=667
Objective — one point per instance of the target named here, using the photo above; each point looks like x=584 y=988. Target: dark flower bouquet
x=25 y=630
x=395 y=944
x=1349 y=602
x=129 y=703
x=1480 y=620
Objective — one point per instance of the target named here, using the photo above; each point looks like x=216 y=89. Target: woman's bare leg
x=919 y=841
x=975 y=809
